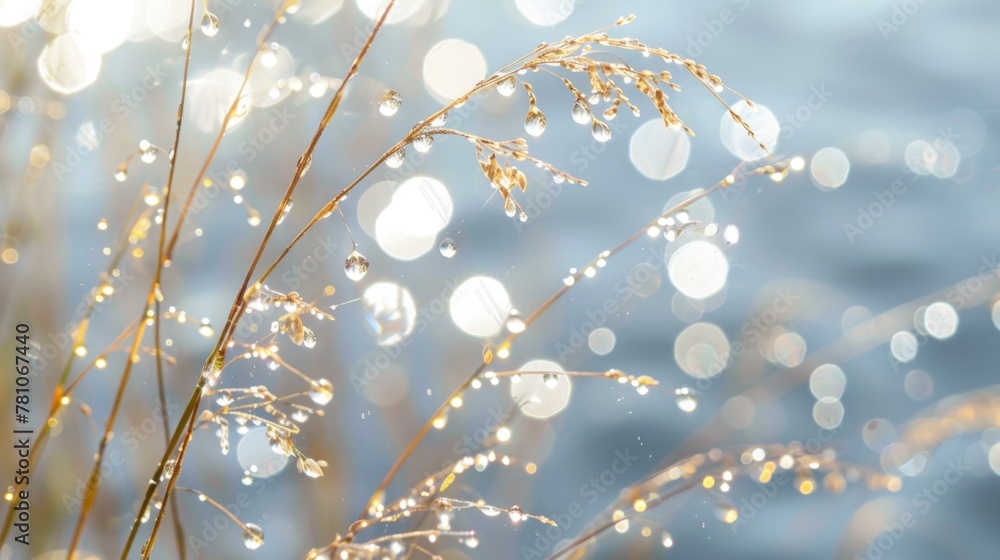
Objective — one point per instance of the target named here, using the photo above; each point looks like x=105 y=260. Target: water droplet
x=321 y=391
x=423 y=143
x=515 y=323
x=490 y=511
x=396 y=158
x=247 y=480
x=253 y=218
x=209 y=26
x=212 y=370
x=731 y=234
x=308 y=338
x=448 y=247
x=285 y=211
x=440 y=120
x=390 y=103
x=507 y=86
x=305 y=167
x=121 y=174
x=168 y=469
x=600 y=131
x=509 y=207
x=185 y=42
x=551 y=380
x=253 y=536
x=147 y=153
x=356 y=266
x=581 y=111
x=687 y=401
x=534 y=123
x=667 y=540
x=472 y=542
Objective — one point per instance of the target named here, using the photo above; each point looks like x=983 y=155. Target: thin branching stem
x=187 y=422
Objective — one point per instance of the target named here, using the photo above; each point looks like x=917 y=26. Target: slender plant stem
x=93 y=482
x=187 y=422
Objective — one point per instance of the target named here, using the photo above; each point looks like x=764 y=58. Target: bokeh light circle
x=543 y=396
x=451 y=68
x=698 y=269
x=658 y=152
x=829 y=168
x=761 y=121
x=479 y=306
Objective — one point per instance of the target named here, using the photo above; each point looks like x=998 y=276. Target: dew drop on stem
x=284 y=211
x=534 y=122
x=600 y=131
x=356 y=266
x=396 y=158
x=253 y=536
x=423 y=143
x=448 y=248
x=581 y=111
x=389 y=103
x=686 y=399
x=209 y=24
x=507 y=86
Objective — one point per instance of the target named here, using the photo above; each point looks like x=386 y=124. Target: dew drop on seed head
x=423 y=143
x=534 y=122
x=308 y=338
x=285 y=211
x=600 y=131
x=507 y=86
x=320 y=391
x=581 y=111
x=185 y=42
x=440 y=120
x=209 y=24
x=448 y=247
x=356 y=266
x=305 y=167
x=253 y=536
x=687 y=401
x=389 y=103
x=396 y=158
x=247 y=480
x=509 y=207
x=121 y=174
